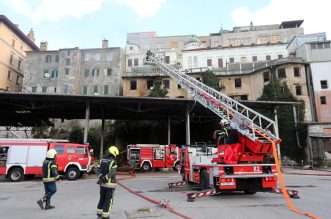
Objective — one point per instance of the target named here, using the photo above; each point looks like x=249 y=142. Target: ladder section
x=247 y=121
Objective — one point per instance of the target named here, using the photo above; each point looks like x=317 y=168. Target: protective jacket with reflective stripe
x=50 y=173
x=108 y=169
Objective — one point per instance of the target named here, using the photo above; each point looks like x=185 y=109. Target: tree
x=277 y=90
x=210 y=79
x=157 y=91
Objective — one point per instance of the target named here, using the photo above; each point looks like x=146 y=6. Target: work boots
x=48 y=204
x=41 y=202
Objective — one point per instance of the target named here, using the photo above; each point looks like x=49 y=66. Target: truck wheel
x=72 y=173
x=204 y=180
x=146 y=167
x=177 y=166
x=16 y=174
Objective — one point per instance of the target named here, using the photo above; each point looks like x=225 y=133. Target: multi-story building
x=76 y=71
x=13 y=46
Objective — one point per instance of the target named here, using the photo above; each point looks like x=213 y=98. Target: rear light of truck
x=268 y=179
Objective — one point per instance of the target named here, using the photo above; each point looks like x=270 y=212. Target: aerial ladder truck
x=249 y=164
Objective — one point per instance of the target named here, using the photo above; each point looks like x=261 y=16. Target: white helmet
x=224 y=122
x=51 y=153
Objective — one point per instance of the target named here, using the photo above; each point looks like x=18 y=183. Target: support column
x=102 y=133
x=169 y=129
x=187 y=121
x=277 y=133
x=87 y=121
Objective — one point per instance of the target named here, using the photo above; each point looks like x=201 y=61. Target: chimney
x=31 y=35
x=43 y=46
x=105 y=43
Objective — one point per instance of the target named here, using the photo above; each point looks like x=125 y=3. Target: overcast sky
x=84 y=23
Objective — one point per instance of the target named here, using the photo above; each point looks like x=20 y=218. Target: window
x=135 y=62
x=21 y=49
x=254 y=58
x=9 y=75
x=220 y=63
x=97 y=57
x=68 y=52
x=109 y=56
x=160 y=45
x=13 y=43
x=44 y=89
x=195 y=61
x=243 y=97
x=296 y=72
x=48 y=58
x=108 y=71
x=67 y=61
x=59 y=149
x=266 y=76
x=326 y=45
x=280 y=56
x=129 y=62
x=55 y=89
x=313 y=46
x=167 y=59
x=267 y=57
x=18 y=79
x=189 y=61
x=209 y=62
x=173 y=44
x=11 y=59
x=70 y=150
x=179 y=87
x=237 y=82
x=243 y=59
x=166 y=84
x=133 y=85
x=106 y=89
x=87 y=57
x=324 y=84
x=150 y=84
x=95 y=89
x=80 y=150
x=66 y=88
x=46 y=74
x=323 y=99
x=66 y=71
x=319 y=45
x=298 y=90
x=131 y=48
x=95 y=72
x=86 y=73
x=84 y=89
x=56 y=58
x=55 y=73
x=34 y=89
x=281 y=73
x=231 y=60
x=19 y=64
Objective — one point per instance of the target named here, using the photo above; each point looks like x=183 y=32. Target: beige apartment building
x=13 y=47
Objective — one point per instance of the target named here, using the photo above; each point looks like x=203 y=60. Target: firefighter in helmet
x=107 y=182
x=50 y=176
x=223 y=133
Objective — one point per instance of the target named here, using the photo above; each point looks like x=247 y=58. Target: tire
x=16 y=174
x=146 y=167
x=176 y=167
x=204 y=180
x=249 y=192
x=72 y=173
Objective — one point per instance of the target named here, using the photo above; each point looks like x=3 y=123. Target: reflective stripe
x=115 y=166
x=109 y=185
x=105 y=214
x=49 y=179
x=99 y=211
x=54 y=166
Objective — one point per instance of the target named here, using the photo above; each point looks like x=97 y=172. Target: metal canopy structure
x=21 y=109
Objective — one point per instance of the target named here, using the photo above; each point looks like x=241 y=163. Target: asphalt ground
x=78 y=199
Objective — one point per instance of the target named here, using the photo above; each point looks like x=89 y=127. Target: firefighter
x=223 y=133
x=50 y=176
x=107 y=182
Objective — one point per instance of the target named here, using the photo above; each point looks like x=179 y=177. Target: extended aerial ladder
x=260 y=130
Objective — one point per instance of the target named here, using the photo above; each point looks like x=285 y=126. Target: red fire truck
x=21 y=158
x=148 y=156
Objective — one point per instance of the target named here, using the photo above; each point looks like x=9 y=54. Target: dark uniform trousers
x=105 y=201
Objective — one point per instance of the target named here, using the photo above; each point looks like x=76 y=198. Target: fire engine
x=148 y=156
x=23 y=158
x=245 y=164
